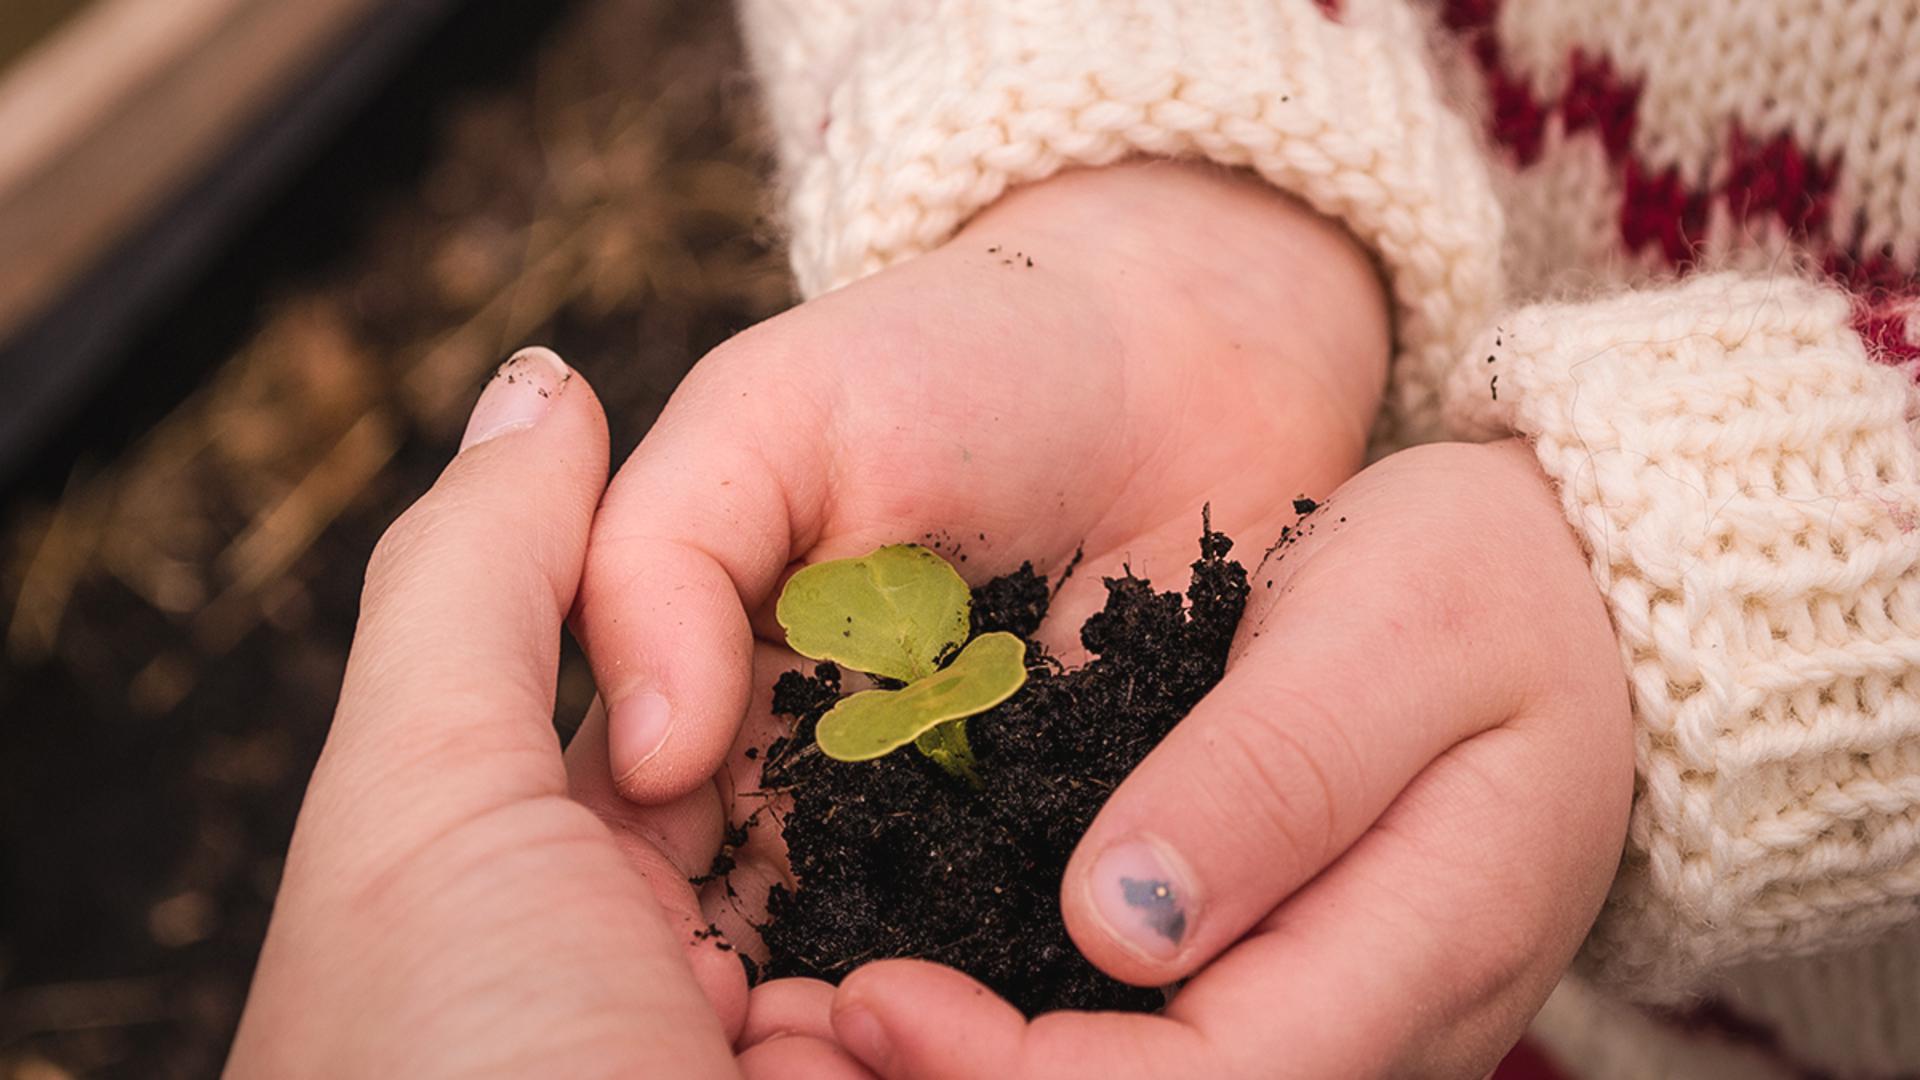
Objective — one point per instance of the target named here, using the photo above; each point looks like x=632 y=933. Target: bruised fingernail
x=862 y=1033
x=519 y=394
x=637 y=729
x=1142 y=894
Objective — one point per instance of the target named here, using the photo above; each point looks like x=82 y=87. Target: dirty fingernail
x=862 y=1033
x=1142 y=895
x=519 y=394
x=637 y=730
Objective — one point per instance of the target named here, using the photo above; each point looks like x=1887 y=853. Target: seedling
x=897 y=613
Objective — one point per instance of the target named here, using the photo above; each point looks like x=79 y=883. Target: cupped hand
x=447 y=909
x=1388 y=828
x=781 y=1029
x=1081 y=369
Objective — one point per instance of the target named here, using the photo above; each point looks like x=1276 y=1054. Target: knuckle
x=399 y=546
x=441 y=523
x=1285 y=781
x=455 y=525
x=761 y=350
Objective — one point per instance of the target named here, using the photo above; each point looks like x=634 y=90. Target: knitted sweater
x=1671 y=243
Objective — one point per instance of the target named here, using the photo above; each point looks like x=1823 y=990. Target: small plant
x=897 y=613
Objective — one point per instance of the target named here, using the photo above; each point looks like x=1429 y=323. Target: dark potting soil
x=895 y=858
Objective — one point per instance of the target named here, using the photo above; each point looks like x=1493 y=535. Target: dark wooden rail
x=133 y=139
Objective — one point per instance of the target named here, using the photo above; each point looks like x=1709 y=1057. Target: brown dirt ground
x=176 y=609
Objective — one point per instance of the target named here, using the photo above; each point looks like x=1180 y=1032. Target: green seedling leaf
x=890 y=613
x=874 y=723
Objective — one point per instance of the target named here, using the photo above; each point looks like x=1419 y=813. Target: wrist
x=1185 y=255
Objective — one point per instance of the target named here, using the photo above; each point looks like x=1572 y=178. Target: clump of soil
x=896 y=858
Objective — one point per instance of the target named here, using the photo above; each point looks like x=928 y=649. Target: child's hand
x=1083 y=367
x=1387 y=830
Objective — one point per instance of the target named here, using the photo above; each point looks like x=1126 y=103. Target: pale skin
x=447 y=909
x=1389 y=826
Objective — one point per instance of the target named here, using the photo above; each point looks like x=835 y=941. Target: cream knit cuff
x=1747 y=484
x=897 y=120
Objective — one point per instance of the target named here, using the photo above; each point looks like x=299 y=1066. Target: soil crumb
x=897 y=859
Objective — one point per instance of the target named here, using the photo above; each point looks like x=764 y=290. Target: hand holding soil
x=1393 y=800
x=1166 y=349
x=1376 y=842
x=1388 y=828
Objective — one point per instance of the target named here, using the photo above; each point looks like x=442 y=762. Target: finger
x=686 y=832
x=737 y=902
x=1429 y=946
x=796 y=439
x=676 y=841
x=911 y=1018
x=720 y=495
x=799 y=1057
x=446 y=707
x=689 y=830
x=1432 y=937
x=1342 y=691
x=1424 y=950
x=663 y=843
x=788 y=1007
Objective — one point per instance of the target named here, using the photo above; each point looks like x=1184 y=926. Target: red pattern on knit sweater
x=1660 y=210
x=1598 y=98
x=1526 y=1062
x=1761 y=177
x=1775 y=176
x=1885 y=327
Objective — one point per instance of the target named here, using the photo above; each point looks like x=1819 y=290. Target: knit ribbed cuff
x=1746 y=483
x=922 y=112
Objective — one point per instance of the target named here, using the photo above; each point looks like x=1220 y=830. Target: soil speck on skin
x=1304 y=505
x=896 y=858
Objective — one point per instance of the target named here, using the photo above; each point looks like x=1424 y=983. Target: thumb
x=434 y=837
x=727 y=487
x=446 y=710
x=1351 y=677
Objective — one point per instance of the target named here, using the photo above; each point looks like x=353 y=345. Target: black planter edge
x=73 y=345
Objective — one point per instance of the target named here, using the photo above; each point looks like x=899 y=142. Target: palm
x=540 y=880
x=1005 y=416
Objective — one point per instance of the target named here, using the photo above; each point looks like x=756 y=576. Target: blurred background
x=256 y=259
